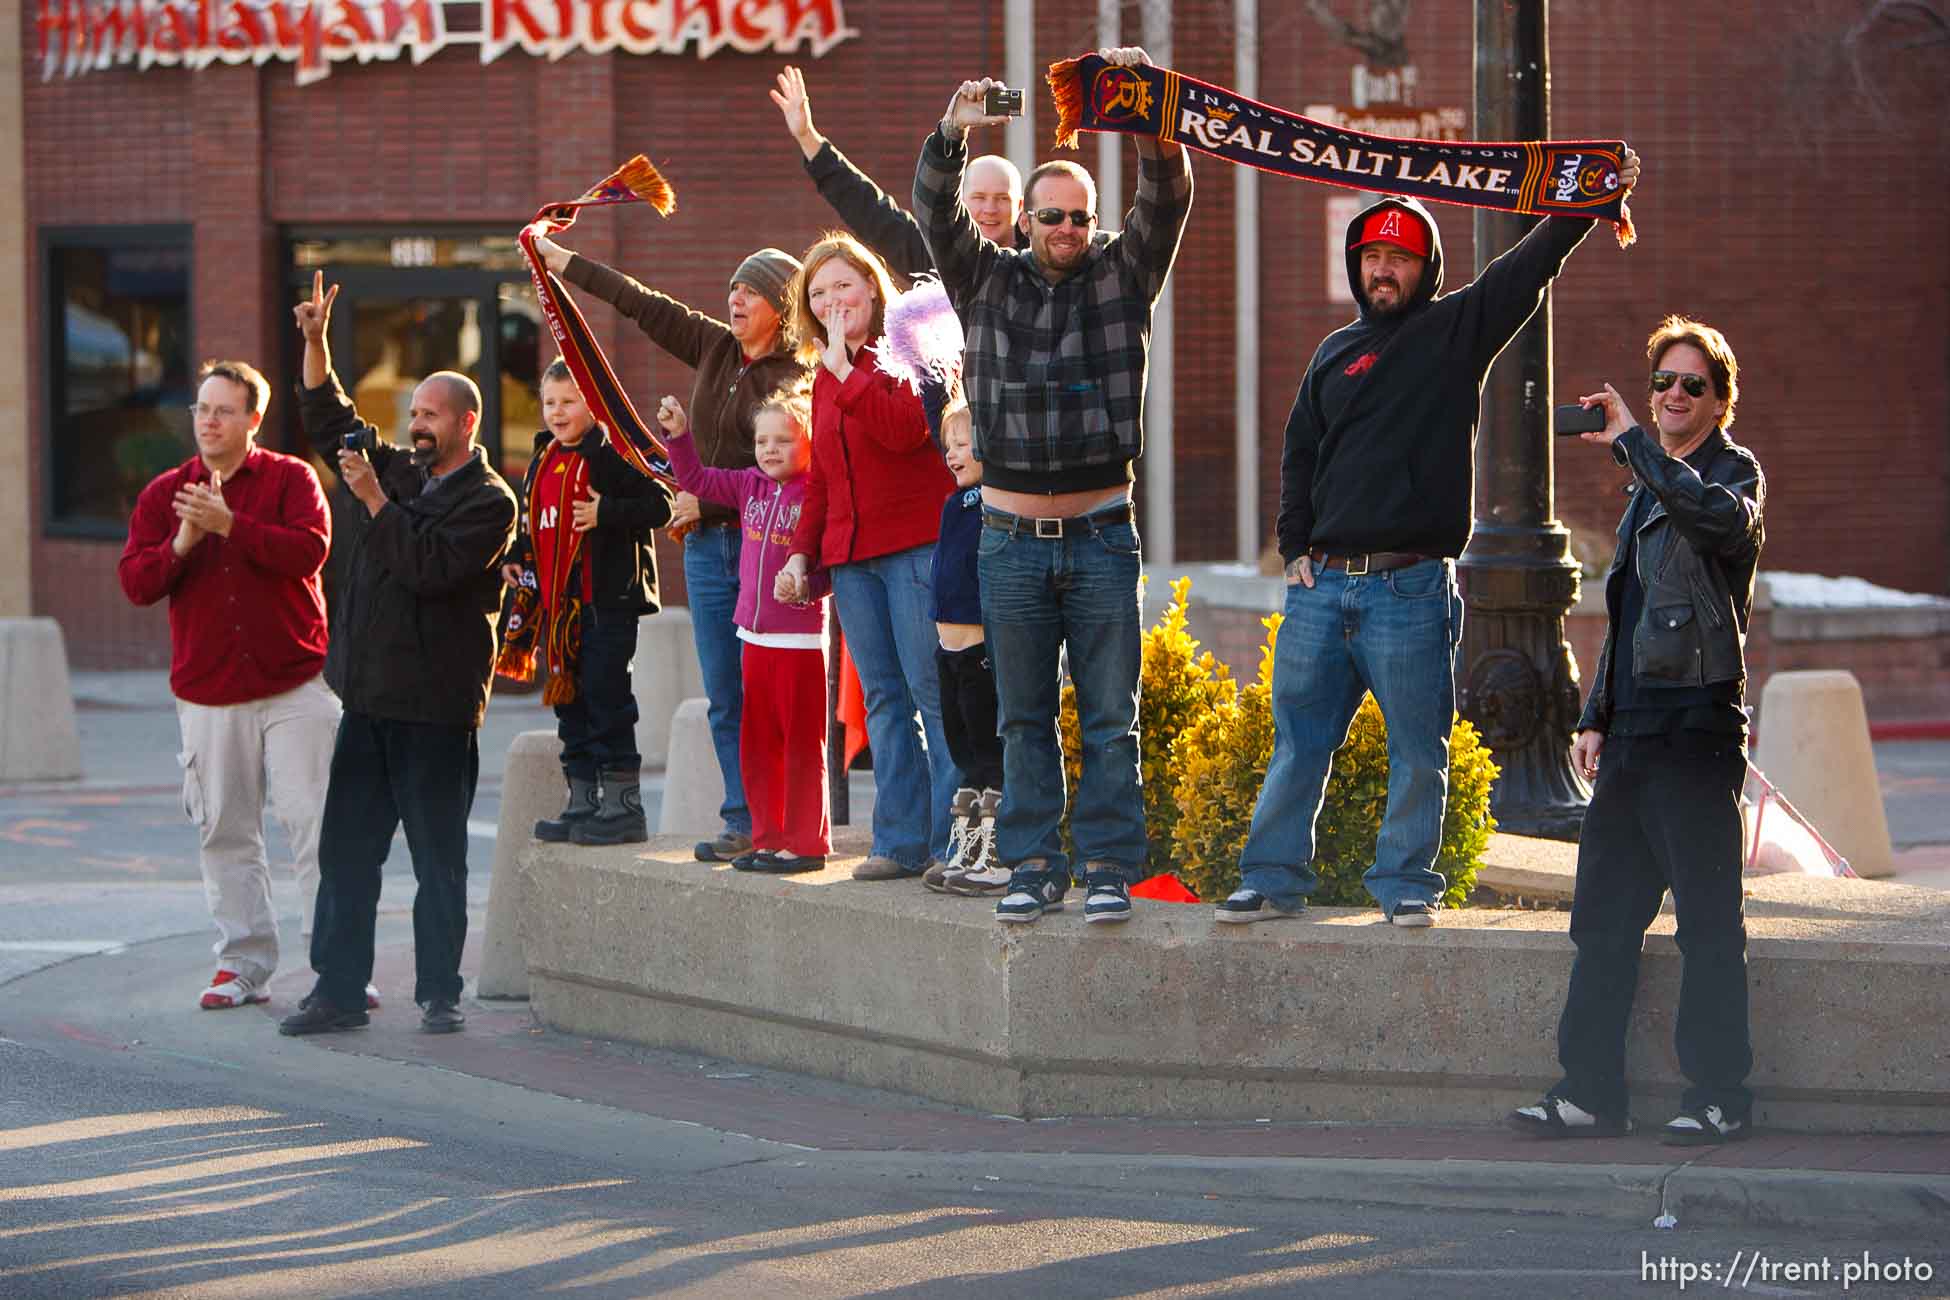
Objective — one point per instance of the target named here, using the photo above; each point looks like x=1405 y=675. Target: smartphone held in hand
x=1575 y=419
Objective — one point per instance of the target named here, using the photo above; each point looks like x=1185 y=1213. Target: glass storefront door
x=410 y=304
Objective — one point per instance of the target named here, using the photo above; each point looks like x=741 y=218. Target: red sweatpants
x=782 y=749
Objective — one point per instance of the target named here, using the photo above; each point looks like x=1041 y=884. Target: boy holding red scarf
x=585 y=570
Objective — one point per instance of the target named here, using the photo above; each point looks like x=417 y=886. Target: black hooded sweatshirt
x=1379 y=446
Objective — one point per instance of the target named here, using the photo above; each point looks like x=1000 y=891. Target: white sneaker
x=1707 y=1126
x=1559 y=1117
x=229 y=989
x=983 y=875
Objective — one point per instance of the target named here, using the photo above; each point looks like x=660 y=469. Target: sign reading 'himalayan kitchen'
x=78 y=36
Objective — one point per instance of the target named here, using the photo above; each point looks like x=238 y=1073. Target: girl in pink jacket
x=782 y=737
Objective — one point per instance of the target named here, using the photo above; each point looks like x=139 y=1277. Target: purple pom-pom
x=922 y=337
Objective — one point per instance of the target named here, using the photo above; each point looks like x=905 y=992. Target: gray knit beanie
x=768 y=271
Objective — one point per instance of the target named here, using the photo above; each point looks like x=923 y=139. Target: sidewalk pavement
x=1890 y=1183
x=1887 y=1183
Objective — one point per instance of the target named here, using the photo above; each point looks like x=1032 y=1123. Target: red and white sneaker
x=229 y=989
x=372 y=997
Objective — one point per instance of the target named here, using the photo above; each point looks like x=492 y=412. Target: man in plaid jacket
x=1058 y=338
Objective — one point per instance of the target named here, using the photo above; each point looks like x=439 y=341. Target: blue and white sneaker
x=1109 y=899
x=1244 y=906
x=1029 y=901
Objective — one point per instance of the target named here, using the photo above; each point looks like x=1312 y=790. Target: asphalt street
x=153 y=1150
x=148 y=1148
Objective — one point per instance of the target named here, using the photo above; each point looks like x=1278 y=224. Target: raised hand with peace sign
x=314 y=316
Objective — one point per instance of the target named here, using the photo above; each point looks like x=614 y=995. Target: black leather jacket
x=1696 y=551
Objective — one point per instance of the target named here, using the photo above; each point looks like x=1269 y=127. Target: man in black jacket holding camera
x=411 y=657
x=1665 y=713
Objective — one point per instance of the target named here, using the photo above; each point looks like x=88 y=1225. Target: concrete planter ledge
x=1333 y=1016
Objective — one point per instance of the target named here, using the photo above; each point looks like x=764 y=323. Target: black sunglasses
x=1054 y=216
x=1695 y=385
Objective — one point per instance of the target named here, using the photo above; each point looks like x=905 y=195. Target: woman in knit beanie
x=739 y=362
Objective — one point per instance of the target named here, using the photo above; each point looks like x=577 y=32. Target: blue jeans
x=1040 y=595
x=1394 y=634
x=711 y=575
x=883 y=605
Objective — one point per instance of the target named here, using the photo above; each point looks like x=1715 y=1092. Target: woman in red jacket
x=873 y=510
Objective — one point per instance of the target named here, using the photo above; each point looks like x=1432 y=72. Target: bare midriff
x=1054 y=505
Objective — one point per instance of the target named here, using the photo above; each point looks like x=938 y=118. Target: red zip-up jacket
x=247 y=611
x=877 y=479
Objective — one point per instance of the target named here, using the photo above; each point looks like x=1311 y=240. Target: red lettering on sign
x=77 y=36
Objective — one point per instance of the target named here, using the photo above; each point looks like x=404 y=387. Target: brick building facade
x=1789 y=197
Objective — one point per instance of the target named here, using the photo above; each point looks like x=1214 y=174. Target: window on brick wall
x=115 y=314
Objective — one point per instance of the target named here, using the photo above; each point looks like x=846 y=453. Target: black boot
x=580 y=808
x=619 y=817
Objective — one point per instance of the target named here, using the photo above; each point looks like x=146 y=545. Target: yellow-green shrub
x=1222 y=759
x=1179 y=685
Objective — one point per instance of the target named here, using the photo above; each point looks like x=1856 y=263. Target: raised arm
x=1510 y=288
x=960 y=253
x=1148 y=243
x=726 y=487
x=324 y=411
x=677 y=329
x=885 y=227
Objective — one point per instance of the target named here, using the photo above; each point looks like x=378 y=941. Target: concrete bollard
x=38 y=740
x=1814 y=746
x=531 y=789
x=693 y=785
x=664 y=673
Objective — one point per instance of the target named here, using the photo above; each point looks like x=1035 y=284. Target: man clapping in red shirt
x=234 y=538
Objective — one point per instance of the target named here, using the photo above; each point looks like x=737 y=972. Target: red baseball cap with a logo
x=1396 y=226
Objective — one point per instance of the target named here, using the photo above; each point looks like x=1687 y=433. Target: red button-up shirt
x=247 y=611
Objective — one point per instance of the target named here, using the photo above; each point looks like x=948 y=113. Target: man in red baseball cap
x=1374 y=509
x=1394 y=246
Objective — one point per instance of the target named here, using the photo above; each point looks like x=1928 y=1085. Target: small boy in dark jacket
x=586 y=544
x=968 y=705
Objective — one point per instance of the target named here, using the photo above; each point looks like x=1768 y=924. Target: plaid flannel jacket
x=1054 y=373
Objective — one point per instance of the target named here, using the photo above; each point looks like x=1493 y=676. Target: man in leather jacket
x=1665 y=713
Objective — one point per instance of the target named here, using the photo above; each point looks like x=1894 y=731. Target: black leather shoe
x=772 y=864
x=321 y=1017
x=441 y=1017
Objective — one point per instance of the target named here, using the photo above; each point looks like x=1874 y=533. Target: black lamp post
x=1516 y=679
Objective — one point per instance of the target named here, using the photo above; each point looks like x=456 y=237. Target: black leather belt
x=1373 y=562
x=1066 y=526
